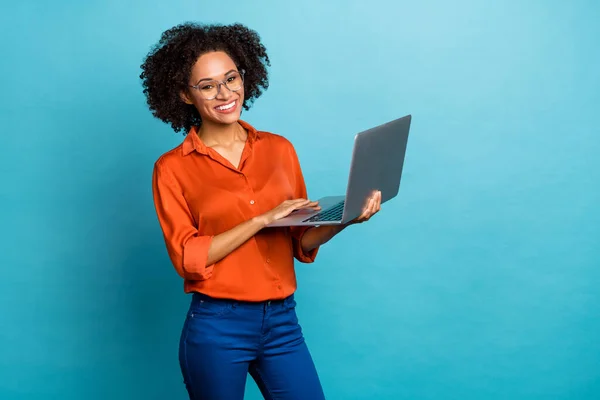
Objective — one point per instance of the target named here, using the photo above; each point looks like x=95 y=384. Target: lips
x=227 y=108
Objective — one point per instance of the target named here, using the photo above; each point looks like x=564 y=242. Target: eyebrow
x=212 y=79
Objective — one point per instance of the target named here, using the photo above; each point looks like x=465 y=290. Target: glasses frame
x=219 y=84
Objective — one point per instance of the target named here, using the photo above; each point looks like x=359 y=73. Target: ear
x=185 y=97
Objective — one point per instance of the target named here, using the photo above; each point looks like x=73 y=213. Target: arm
x=193 y=255
x=317 y=236
x=307 y=240
x=228 y=241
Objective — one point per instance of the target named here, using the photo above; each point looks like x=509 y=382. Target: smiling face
x=207 y=76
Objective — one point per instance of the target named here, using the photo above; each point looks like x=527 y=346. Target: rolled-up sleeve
x=298 y=231
x=188 y=250
x=299 y=253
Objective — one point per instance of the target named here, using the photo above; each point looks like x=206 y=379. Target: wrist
x=260 y=221
x=349 y=223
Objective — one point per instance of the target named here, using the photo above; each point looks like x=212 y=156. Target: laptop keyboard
x=331 y=214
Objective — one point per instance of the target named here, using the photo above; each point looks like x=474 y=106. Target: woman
x=214 y=195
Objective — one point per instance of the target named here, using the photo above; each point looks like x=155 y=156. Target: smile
x=227 y=107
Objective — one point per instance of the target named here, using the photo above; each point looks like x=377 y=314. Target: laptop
x=377 y=163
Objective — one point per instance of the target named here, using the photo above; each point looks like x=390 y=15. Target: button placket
x=248 y=187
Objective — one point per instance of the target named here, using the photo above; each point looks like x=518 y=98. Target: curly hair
x=167 y=67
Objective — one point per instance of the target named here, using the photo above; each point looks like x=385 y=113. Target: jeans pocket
x=289 y=306
x=290 y=303
x=210 y=309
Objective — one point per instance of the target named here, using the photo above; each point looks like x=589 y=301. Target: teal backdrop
x=479 y=281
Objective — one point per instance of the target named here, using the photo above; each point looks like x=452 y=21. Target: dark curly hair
x=167 y=67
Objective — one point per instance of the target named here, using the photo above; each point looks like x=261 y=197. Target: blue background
x=479 y=281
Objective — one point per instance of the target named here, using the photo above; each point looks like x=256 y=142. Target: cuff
x=195 y=256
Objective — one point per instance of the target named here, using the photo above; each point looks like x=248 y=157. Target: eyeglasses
x=211 y=89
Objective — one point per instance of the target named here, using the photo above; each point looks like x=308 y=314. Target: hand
x=371 y=208
x=287 y=207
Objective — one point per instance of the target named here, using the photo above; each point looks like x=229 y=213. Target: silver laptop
x=377 y=162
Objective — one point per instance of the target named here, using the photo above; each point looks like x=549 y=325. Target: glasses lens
x=234 y=81
x=209 y=89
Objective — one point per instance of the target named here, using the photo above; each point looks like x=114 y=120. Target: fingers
x=295 y=204
x=298 y=201
x=376 y=202
x=367 y=210
x=289 y=206
x=302 y=203
x=372 y=207
x=310 y=204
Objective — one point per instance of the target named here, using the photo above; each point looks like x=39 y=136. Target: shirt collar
x=193 y=142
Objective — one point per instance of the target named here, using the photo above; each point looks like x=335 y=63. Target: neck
x=220 y=134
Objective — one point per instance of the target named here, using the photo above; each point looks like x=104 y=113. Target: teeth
x=226 y=106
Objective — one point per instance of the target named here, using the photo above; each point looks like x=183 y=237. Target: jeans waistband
x=198 y=297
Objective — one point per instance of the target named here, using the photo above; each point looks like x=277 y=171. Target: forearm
x=317 y=236
x=225 y=243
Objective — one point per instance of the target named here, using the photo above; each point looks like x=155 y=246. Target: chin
x=228 y=119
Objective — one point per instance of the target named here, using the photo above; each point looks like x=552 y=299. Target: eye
x=207 y=87
x=232 y=79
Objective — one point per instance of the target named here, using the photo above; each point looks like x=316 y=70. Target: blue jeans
x=224 y=340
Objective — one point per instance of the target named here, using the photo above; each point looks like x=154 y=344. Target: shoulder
x=276 y=141
x=170 y=159
x=268 y=138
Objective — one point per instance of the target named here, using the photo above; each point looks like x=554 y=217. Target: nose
x=224 y=92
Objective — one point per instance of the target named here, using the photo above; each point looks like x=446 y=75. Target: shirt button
x=251 y=201
x=268 y=260
x=278 y=286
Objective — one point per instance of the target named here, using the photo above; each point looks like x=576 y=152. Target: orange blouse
x=198 y=194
